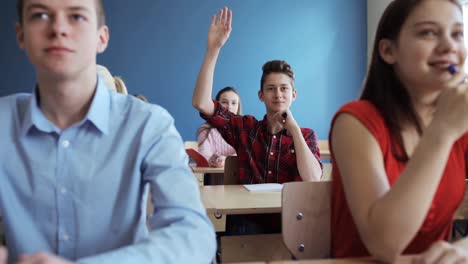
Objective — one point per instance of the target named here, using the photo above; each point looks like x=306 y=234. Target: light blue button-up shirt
x=81 y=192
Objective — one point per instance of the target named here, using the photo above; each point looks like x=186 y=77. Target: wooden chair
x=306 y=217
x=231 y=171
x=252 y=248
x=247 y=248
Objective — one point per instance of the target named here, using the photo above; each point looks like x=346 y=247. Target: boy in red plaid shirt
x=274 y=149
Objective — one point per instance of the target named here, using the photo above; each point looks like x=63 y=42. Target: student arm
x=201 y=99
x=180 y=230
x=376 y=209
x=220 y=29
x=307 y=164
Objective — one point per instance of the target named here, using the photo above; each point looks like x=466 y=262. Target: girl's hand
x=451 y=116
x=442 y=252
x=220 y=29
x=216 y=160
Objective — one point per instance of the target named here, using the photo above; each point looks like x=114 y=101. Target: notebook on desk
x=264 y=187
x=197 y=157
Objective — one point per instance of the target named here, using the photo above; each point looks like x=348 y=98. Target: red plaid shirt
x=263 y=157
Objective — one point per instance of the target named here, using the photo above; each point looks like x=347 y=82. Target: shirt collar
x=98 y=113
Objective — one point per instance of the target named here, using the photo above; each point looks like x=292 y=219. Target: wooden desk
x=235 y=199
x=325 y=154
x=216 y=175
x=222 y=200
x=400 y=260
x=207 y=170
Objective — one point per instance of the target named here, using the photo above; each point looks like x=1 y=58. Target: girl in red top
x=400 y=153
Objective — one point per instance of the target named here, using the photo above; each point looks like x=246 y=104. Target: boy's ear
x=260 y=96
x=294 y=94
x=386 y=51
x=103 y=39
x=19 y=35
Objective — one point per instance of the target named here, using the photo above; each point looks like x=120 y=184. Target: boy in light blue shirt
x=77 y=161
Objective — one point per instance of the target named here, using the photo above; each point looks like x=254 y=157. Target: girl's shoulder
x=369 y=116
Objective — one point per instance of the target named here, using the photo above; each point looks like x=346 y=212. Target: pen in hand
x=452 y=69
x=284 y=115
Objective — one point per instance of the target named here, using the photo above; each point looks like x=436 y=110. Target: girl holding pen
x=400 y=153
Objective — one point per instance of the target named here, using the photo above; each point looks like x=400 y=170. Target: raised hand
x=220 y=28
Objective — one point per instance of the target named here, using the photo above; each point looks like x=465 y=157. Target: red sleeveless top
x=346 y=241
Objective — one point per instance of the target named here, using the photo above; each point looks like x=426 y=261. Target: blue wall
x=158 y=46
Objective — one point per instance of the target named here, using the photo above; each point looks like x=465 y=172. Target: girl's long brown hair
x=382 y=87
x=206 y=127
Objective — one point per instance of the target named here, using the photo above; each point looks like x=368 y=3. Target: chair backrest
x=231 y=171
x=306 y=219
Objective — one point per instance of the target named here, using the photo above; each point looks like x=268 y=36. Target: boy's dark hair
x=276 y=66
x=101 y=16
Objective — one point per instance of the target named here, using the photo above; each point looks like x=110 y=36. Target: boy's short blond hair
x=101 y=15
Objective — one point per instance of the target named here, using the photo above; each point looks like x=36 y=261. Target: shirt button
x=271 y=153
x=269 y=172
x=63 y=190
x=274 y=136
x=65 y=143
x=292 y=150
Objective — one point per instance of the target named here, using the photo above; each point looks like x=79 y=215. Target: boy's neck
x=274 y=127
x=66 y=101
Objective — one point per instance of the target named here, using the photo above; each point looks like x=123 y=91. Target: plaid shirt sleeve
x=229 y=125
x=311 y=139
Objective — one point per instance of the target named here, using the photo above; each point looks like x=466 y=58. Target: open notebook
x=197 y=157
x=264 y=187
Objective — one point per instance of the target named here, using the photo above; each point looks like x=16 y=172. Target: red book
x=196 y=156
